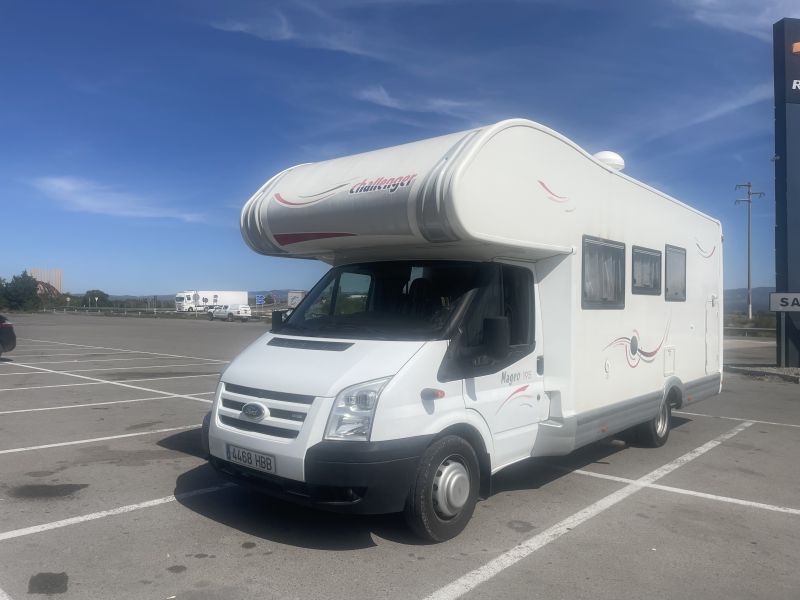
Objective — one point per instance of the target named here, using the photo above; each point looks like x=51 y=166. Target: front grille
x=275 y=412
x=268 y=394
x=259 y=427
x=286 y=412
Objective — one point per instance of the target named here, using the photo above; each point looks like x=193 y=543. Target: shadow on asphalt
x=267 y=518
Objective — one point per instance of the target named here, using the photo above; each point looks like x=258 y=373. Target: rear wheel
x=444 y=494
x=230 y=318
x=655 y=433
x=210 y=316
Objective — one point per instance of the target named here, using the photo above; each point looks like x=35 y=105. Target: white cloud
x=737 y=102
x=83 y=195
x=751 y=17
x=317 y=29
x=377 y=94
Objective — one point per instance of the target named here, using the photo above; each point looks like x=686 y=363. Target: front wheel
x=210 y=316
x=230 y=318
x=655 y=433
x=444 y=494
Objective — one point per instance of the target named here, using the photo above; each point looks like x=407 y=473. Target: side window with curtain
x=645 y=271
x=603 y=274
x=675 y=274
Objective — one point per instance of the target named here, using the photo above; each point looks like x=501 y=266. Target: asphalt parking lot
x=104 y=493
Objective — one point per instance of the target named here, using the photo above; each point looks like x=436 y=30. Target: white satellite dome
x=612 y=159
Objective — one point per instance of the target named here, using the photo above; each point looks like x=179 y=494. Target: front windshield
x=385 y=300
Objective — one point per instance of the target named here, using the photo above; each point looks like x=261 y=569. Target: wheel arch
x=674 y=392
x=471 y=434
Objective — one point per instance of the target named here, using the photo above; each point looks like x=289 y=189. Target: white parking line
x=102 y=381
x=124 y=350
x=36 y=355
x=97 y=381
x=16 y=533
x=69 y=372
x=99 y=439
x=473 y=579
x=691 y=414
x=76 y=361
x=4 y=596
x=162 y=397
x=676 y=490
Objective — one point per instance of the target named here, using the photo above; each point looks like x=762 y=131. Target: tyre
x=191 y=309
x=230 y=318
x=210 y=316
x=244 y=319
x=655 y=433
x=445 y=491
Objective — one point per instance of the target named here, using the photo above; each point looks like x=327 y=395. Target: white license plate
x=249 y=458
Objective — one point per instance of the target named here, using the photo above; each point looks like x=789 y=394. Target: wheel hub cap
x=450 y=488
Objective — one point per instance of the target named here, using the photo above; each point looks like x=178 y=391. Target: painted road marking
x=101 y=382
x=16 y=533
x=99 y=439
x=474 y=578
x=675 y=490
x=37 y=355
x=75 y=360
x=162 y=397
x=122 y=350
x=691 y=414
x=127 y=385
x=114 y=368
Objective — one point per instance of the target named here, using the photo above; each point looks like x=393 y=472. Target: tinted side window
x=508 y=294
x=603 y=273
x=645 y=271
x=675 y=274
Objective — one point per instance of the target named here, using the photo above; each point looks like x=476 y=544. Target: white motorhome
x=200 y=300
x=495 y=294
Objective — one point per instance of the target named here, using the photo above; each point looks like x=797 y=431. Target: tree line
x=22 y=292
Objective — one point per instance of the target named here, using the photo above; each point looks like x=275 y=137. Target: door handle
x=540 y=365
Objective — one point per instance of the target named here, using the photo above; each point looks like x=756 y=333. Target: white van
x=495 y=294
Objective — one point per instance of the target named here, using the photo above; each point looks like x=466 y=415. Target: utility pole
x=750 y=195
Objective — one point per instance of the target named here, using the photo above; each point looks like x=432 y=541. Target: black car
x=8 y=339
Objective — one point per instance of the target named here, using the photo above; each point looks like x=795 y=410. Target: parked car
x=230 y=312
x=8 y=339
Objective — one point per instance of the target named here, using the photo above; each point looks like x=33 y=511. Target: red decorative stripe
x=551 y=192
x=284 y=239
x=280 y=199
x=514 y=393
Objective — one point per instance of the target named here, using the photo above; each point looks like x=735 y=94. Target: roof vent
x=612 y=159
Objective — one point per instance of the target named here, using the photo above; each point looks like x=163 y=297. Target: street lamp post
x=749 y=200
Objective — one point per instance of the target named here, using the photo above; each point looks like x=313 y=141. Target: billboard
x=786 y=54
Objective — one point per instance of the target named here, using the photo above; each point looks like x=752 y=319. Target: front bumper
x=354 y=477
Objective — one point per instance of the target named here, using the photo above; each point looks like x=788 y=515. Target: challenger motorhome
x=494 y=295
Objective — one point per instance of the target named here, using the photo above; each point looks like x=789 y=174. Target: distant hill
x=735 y=300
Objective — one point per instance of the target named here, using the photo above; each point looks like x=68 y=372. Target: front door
x=508 y=393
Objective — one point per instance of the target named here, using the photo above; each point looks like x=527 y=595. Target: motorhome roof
x=437 y=198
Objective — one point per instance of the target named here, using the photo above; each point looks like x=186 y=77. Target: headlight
x=354 y=410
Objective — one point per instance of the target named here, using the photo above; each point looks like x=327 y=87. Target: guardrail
x=757 y=331
x=257 y=312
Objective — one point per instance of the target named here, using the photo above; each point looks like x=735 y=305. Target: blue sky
x=131 y=133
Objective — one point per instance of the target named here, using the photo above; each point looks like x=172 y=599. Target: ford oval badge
x=254 y=411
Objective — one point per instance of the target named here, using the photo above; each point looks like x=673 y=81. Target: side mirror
x=277 y=319
x=497 y=337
